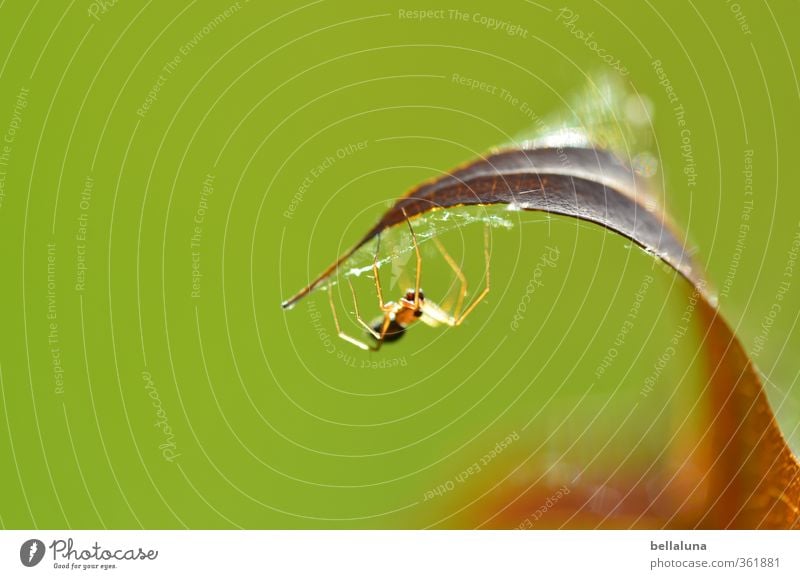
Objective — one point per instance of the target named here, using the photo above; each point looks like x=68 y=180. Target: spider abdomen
x=394 y=331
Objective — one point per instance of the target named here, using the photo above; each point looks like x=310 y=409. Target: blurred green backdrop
x=171 y=171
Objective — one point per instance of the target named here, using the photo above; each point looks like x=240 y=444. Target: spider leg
x=369 y=328
x=419 y=261
x=377 y=277
x=462 y=292
x=343 y=335
x=477 y=300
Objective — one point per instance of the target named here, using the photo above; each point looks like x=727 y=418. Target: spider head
x=410 y=294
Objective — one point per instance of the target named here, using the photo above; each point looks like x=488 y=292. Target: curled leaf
x=747 y=477
x=587 y=183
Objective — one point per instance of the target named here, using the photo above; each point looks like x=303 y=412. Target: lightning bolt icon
x=34 y=548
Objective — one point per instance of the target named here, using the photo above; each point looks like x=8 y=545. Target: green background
x=275 y=424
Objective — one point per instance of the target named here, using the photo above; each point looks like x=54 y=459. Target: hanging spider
x=397 y=316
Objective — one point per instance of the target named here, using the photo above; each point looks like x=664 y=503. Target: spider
x=397 y=316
